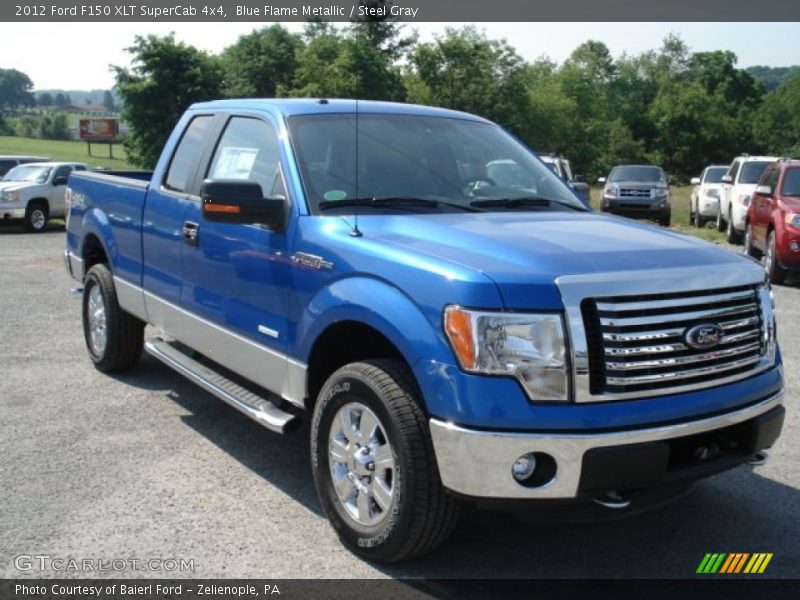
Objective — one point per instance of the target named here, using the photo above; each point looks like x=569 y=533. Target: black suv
x=637 y=191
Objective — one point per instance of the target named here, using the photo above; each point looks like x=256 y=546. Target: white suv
x=34 y=192
x=738 y=185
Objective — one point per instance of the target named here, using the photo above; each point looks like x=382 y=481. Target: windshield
x=752 y=171
x=714 y=174
x=791 y=182
x=28 y=173
x=452 y=162
x=637 y=173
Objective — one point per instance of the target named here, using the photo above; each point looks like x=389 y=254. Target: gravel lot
x=147 y=465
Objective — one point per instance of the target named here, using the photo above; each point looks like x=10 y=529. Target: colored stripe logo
x=734 y=563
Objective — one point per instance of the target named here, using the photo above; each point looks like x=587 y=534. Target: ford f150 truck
x=449 y=336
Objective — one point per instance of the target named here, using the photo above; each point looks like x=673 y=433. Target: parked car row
x=33 y=192
x=756 y=202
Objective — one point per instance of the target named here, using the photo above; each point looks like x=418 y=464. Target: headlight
x=10 y=196
x=713 y=193
x=661 y=193
x=792 y=219
x=612 y=191
x=529 y=347
x=745 y=200
x=770 y=337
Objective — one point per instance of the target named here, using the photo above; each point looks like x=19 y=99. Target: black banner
x=401 y=10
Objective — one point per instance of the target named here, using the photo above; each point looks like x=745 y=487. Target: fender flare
x=377 y=304
x=95 y=222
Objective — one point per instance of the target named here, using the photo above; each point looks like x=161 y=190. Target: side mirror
x=764 y=190
x=60 y=180
x=601 y=180
x=241 y=201
x=727 y=179
x=578 y=178
x=695 y=181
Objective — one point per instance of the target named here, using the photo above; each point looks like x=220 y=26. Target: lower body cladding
x=553 y=466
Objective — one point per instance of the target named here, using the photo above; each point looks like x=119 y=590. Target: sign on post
x=99 y=130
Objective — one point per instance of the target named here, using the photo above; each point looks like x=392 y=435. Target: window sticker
x=235 y=163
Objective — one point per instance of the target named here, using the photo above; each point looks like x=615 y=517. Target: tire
x=731 y=235
x=720 y=223
x=747 y=243
x=114 y=338
x=36 y=217
x=666 y=220
x=697 y=220
x=406 y=510
x=775 y=272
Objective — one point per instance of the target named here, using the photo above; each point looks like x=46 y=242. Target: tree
x=777 y=121
x=15 y=89
x=342 y=64
x=108 y=102
x=464 y=70
x=261 y=62
x=382 y=30
x=45 y=99
x=166 y=77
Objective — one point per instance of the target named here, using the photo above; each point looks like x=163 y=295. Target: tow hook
x=76 y=292
x=613 y=500
x=758 y=459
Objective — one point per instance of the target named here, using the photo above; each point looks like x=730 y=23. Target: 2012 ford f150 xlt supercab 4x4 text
x=450 y=337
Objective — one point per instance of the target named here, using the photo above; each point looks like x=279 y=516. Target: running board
x=258 y=408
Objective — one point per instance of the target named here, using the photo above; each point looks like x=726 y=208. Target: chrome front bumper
x=478 y=463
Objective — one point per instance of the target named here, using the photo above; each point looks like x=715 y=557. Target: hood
x=10 y=186
x=523 y=251
x=646 y=185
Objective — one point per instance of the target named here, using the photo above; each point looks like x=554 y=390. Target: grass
x=65 y=150
x=679 y=196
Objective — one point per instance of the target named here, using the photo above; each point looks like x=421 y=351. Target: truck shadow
x=738 y=511
x=14 y=228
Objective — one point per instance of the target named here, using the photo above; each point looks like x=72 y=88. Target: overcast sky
x=77 y=55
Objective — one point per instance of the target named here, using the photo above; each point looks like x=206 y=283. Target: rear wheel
x=114 y=338
x=374 y=466
x=775 y=272
x=36 y=216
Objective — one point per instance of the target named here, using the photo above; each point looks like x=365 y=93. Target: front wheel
x=698 y=220
x=775 y=272
x=114 y=338
x=374 y=466
x=720 y=222
x=36 y=217
x=749 y=249
x=731 y=235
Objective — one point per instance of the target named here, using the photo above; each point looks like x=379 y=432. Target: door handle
x=190 y=233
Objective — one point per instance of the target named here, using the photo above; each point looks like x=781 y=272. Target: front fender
x=379 y=305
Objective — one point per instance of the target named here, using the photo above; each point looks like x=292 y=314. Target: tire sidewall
x=32 y=207
x=93 y=280
x=342 y=388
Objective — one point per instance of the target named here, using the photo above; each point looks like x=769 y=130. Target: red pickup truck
x=772 y=229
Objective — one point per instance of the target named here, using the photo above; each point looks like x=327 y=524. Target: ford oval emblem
x=704 y=337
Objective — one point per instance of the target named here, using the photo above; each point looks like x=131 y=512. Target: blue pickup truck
x=450 y=337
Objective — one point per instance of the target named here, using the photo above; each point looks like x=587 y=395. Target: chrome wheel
x=746 y=243
x=361 y=464
x=769 y=257
x=38 y=219
x=96 y=314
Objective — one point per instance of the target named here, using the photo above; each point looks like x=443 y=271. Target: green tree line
x=668 y=106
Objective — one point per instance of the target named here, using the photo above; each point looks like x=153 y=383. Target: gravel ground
x=146 y=465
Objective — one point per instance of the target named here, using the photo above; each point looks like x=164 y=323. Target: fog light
x=794 y=246
x=524 y=467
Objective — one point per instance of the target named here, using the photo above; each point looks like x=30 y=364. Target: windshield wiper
x=389 y=201
x=524 y=201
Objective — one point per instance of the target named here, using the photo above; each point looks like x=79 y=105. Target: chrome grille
x=635 y=193
x=639 y=343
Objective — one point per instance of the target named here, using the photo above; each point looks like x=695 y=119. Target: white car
x=34 y=192
x=704 y=203
x=738 y=185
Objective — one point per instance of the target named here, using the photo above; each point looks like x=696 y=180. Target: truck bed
x=109 y=205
